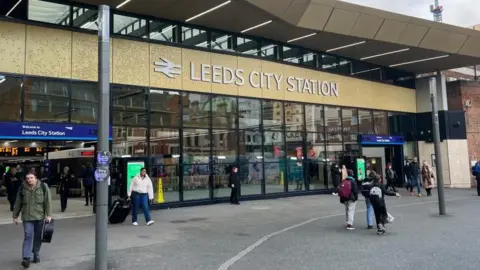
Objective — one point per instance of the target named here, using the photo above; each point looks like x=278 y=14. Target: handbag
x=47 y=231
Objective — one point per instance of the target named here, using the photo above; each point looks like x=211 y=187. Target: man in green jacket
x=34 y=201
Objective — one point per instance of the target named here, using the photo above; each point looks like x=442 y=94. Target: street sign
x=104 y=158
x=102 y=174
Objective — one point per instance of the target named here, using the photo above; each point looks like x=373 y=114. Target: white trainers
x=150 y=222
x=335 y=194
x=135 y=223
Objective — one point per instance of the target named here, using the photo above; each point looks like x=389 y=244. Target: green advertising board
x=361 y=169
x=133 y=169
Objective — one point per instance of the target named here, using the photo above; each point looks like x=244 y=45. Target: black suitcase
x=119 y=212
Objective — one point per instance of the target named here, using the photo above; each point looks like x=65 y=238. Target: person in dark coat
x=66 y=179
x=88 y=181
x=12 y=184
x=336 y=173
x=391 y=176
x=414 y=170
x=234 y=184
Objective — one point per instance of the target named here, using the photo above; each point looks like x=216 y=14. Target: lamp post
x=436 y=140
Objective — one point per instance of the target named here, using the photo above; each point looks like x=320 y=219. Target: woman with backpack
x=348 y=193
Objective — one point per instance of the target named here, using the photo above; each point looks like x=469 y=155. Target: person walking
x=365 y=189
x=414 y=170
x=140 y=193
x=336 y=174
x=88 y=181
x=34 y=202
x=234 y=184
x=12 y=184
x=428 y=178
x=391 y=176
x=66 y=178
x=377 y=198
x=348 y=193
x=476 y=173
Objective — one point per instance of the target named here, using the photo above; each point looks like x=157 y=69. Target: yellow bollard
x=159 y=198
x=281 y=178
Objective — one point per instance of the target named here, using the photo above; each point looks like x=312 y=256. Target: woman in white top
x=141 y=192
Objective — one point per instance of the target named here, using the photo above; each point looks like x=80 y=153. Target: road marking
x=262 y=240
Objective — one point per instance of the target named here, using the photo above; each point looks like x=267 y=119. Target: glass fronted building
x=191 y=100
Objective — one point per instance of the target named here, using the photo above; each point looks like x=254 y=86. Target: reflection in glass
x=225 y=111
x=162 y=31
x=129 y=105
x=247 y=46
x=48 y=12
x=10 y=96
x=315 y=118
x=250 y=146
x=220 y=179
x=165 y=145
x=272 y=114
x=329 y=63
x=196 y=146
x=249 y=113
x=295 y=175
x=222 y=42
x=46 y=100
x=274 y=147
x=224 y=146
x=196 y=181
x=381 y=122
x=129 y=26
x=294 y=118
x=85 y=18
x=316 y=174
x=196 y=110
x=349 y=120
x=345 y=66
x=365 y=121
x=194 y=37
x=129 y=141
x=251 y=175
x=170 y=179
x=165 y=108
x=292 y=55
x=84 y=102
x=316 y=161
x=269 y=50
x=333 y=119
x=274 y=177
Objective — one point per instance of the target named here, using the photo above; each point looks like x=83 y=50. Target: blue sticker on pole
x=104 y=158
x=102 y=174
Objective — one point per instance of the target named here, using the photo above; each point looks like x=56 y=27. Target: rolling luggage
x=119 y=212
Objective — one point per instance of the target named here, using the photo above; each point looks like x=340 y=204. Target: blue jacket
x=88 y=177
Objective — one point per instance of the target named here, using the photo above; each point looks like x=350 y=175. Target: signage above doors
x=48 y=131
x=380 y=140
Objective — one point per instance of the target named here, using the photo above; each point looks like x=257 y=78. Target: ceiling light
x=302 y=37
x=421 y=60
x=208 y=11
x=15 y=6
x=383 y=54
x=123 y=3
x=365 y=71
x=87 y=25
x=256 y=26
x=346 y=46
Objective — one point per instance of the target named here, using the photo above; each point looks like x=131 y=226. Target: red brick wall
x=458 y=93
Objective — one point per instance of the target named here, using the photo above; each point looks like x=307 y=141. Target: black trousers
x=380 y=209
x=63 y=201
x=88 y=194
x=478 y=187
x=234 y=195
x=429 y=191
x=11 y=200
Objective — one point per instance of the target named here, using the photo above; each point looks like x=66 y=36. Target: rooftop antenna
x=437 y=10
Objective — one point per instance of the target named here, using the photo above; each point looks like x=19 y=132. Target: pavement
x=291 y=233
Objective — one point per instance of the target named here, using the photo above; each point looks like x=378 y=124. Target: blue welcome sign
x=380 y=140
x=48 y=131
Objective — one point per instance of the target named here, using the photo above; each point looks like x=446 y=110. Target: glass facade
x=156 y=30
x=190 y=140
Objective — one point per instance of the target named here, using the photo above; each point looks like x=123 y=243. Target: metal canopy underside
x=337 y=24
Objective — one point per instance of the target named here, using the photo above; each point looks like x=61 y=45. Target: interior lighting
x=346 y=46
x=418 y=61
x=123 y=3
x=302 y=37
x=15 y=6
x=208 y=11
x=256 y=26
x=383 y=54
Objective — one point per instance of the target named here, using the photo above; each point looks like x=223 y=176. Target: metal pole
x=101 y=225
x=436 y=139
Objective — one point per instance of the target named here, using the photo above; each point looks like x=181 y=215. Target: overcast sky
x=464 y=13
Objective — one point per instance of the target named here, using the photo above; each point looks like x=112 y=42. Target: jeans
x=369 y=212
x=33 y=237
x=415 y=182
x=140 y=199
x=350 y=211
